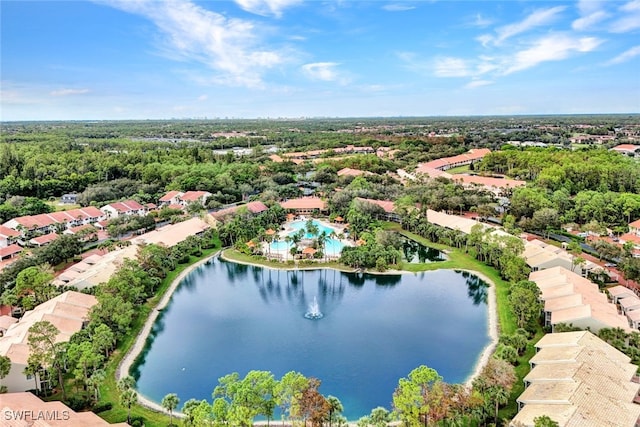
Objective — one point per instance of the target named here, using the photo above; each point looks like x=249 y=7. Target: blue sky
x=153 y=59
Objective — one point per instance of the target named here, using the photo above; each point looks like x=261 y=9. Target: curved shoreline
x=492 y=327
x=127 y=361
x=492 y=306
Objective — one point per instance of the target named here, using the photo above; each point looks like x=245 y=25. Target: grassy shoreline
x=109 y=390
x=457 y=259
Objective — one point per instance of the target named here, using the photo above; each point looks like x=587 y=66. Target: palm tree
x=335 y=408
x=311 y=227
x=170 y=402
x=128 y=398
x=286 y=253
x=94 y=382
x=322 y=240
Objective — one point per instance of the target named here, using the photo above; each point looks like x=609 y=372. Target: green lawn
x=56 y=206
x=108 y=390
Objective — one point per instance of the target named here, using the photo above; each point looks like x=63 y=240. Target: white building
x=576 y=379
x=68 y=312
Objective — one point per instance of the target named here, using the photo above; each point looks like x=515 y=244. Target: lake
x=227 y=317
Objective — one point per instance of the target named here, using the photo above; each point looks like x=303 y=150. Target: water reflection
x=375 y=329
x=477 y=289
x=415 y=252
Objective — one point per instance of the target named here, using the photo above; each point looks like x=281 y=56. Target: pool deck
x=288 y=230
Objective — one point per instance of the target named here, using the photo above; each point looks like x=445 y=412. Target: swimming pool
x=332 y=246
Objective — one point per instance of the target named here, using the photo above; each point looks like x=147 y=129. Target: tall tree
x=43 y=350
x=170 y=402
x=409 y=398
x=288 y=392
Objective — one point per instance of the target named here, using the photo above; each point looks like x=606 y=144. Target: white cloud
x=588 y=21
x=480 y=21
x=538 y=18
x=625 y=56
x=325 y=71
x=630 y=19
x=550 y=48
x=229 y=47
x=266 y=7
x=397 y=7
x=67 y=92
x=477 y=83
x=203 y=98
x=451 y=67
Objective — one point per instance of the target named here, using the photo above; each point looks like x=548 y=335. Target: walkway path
x=128 y=360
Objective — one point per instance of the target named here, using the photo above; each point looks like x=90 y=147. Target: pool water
x=333 y=247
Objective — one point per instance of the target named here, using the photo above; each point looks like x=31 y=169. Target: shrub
x=101 y=407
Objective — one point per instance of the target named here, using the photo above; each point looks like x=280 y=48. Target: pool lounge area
x=280 y=248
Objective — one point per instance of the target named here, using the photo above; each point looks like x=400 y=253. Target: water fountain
x=314 y=312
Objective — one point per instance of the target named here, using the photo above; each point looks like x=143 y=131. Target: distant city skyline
x=151 y=59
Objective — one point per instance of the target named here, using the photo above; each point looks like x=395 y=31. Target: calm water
x=415 y=252
x=227 y=317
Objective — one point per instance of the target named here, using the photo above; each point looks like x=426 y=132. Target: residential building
x=68 y=312
x=9 y=252
x=25 y=409
x=171 y=198
x=43 y=240
x=633 y=236
x=627 y=149
x=305 y=206
x=539 y=256
x=31 y=225
x=576 y=379
x=574 y=300
x=194 y=197
x=69 y=199
x=96 y=269
x=493 y=184
x=386 y=205
x=171 y=235
x=472 y=156
x=255 y=208
x=127 y=208
x=8 y=236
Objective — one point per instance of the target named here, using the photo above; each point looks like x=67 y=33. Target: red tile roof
x=45 y=220
x=192 y=196
x=488 y=181
x=626 y=147
x=634 y=224
x=350 y=172
x=8 y=232
x=471 y=155
x=43 y=240
x=10 y=250
x=256 y=207
x=170 y=195
x=304 y=203
x=81 y=227
x=126 y=206
x=387 y=205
